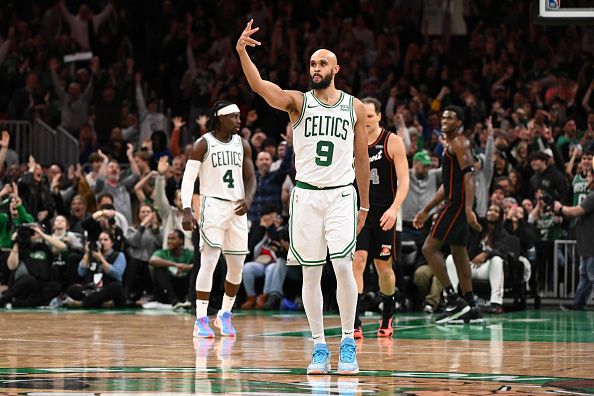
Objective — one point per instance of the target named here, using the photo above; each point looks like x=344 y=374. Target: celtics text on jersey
x=323 y=139
x=221 y=173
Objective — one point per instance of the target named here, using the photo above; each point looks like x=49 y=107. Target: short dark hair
x=458 y=110
x=539 y=155
x=180 y=233
x=103 y=195
x=109 y=235
x=107 y=207
x=376 y=103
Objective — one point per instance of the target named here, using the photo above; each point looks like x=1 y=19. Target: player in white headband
x=223 y=162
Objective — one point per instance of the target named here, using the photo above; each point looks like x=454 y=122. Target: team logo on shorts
x=386 y=250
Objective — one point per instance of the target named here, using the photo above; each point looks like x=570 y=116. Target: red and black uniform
x=451 y=226
x=382 y=190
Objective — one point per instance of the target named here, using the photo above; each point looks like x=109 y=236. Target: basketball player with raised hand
x=388 y=187
x=328 y=126
x=452 y=225
x=223 y=162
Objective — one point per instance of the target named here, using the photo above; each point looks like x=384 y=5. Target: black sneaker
x=272 y=302
x=473 y=317
x=493 y=309
x=453 y=311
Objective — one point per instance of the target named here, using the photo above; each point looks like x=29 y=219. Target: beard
x=323 y=83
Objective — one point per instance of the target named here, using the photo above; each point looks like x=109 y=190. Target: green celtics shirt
x=547 y=229
x=185 y=257
x=580 y=189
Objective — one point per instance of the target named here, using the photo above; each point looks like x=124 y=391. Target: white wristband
x=187 y=186
x=364 y=209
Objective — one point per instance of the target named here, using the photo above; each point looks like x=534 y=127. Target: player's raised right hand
x=188 y=221
x=245 y=39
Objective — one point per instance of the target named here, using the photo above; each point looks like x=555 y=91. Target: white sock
x=346 y=295
x=201 y=307
x=313 y=302
x=227 y=303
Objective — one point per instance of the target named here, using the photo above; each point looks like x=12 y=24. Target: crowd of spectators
x=143 y=95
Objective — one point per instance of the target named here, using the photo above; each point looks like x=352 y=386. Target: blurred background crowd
x=133 y=83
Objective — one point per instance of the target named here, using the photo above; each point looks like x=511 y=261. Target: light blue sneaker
x=223 y=322
x=320 y=360
x=202 y=329
x=347 y=362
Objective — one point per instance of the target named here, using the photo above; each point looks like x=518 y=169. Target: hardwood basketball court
x=152 y=352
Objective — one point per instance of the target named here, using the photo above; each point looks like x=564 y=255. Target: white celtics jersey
x=323 y=141
x=221 y=172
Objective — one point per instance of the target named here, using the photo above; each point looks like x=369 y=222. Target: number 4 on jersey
x=228 y=178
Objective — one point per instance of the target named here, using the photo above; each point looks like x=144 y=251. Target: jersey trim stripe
x=302 y=111
x=339 y=101
x=376 y=140
x=208 y=242
x=352 y=111
x=453 y=221
x=386 y=148
x=392 y=182
x=220 y=141
x=207 y=149
x=451 y=173
x=438 y=220
x=298 y=257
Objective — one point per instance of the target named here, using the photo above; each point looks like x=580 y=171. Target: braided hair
x=214 y=119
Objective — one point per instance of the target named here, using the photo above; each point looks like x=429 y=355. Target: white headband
x=230 y=109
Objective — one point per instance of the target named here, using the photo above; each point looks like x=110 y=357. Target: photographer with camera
x=548 y=228
x=66 y=257
x=104 y=220
x=102 y=268
x=30 y=260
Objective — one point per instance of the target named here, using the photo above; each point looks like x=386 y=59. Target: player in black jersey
x=388 y=186
x=452 y=222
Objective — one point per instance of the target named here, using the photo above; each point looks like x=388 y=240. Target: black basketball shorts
x=451 y=226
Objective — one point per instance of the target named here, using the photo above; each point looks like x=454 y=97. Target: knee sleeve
x=234 y=268
x=208 y=263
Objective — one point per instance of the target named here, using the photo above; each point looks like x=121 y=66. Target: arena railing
x=565 y=271
x=21 y=136
x=44 y=143
x=53 y=145
x=67 y=149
